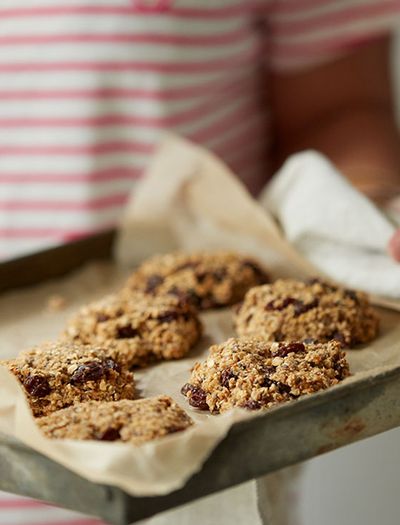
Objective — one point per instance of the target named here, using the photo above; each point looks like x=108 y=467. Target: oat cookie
x=129 y=421
x=57 y=375
x=290 y=310
x=207 y=280
x=137 y=330
x=256 y=374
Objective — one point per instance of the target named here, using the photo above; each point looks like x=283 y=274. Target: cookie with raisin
x=134 y=422
x=204 y=279
x=57 y=375
x=291 y=310
x=256 y=374
x=138 y=330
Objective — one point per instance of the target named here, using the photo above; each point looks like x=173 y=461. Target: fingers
x=394 y=246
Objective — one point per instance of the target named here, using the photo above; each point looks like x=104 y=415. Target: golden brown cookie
x=290 y=310
x=57 y=375
x=206 y=280
x=258 y=374
x=132 y=422
x=138 y=330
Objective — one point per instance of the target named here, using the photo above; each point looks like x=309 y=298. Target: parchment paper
x=235 y=222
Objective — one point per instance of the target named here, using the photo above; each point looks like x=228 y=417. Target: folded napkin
x=332 y=225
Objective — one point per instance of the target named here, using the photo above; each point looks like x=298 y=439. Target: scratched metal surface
x=277 y=438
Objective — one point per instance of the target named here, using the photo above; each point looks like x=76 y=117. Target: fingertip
x=394 y=246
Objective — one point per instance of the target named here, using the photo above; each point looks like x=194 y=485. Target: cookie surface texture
x=206 y=280
x=257 y=374
x=57 y=375
x=128 y=421
x=138 y=330
x=290 y=310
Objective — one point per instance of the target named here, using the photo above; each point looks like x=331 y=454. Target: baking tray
x=280 y=437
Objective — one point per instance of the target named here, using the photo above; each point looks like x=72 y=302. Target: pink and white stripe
x=15 y=510
x=305 y=33
x=88 y=86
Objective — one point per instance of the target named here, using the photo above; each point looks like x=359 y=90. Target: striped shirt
x=15 y=510
x=88 y=86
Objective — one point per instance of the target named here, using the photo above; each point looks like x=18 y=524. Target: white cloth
x=333 y=225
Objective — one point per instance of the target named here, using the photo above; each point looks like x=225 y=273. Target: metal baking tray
x=280 y=437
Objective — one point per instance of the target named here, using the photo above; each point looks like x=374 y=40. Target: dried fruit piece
x=153 y=282
x=196 y=395
x=267 y=382
x=284 y=350
x=201 y=276
x=302 y=308
x=92 y=371
x=219 y=275
x=352 y=294
x=226 y=375
x=110 y=364
x=168 y=317
x=185 y=389
x=272 y=305
x=37 y=386
x=186 y=297
x=127 y=332
x=111 y=434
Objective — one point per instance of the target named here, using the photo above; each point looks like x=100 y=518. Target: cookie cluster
x=82 y=386
x=290 y=340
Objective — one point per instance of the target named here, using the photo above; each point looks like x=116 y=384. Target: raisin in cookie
x=137 y=330
x=254 y=373
x=290 y=310
x=128 y=421
x=57 y=375
x=206 y=280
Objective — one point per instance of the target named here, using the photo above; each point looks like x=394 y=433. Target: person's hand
x=394 y=243
x=394 y=246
